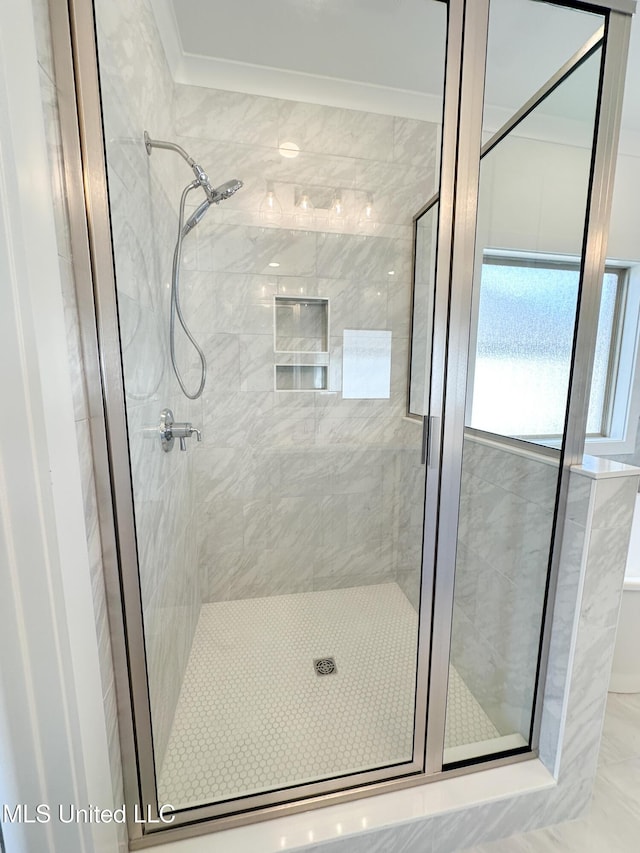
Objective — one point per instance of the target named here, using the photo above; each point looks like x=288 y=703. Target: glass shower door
x=279 y=557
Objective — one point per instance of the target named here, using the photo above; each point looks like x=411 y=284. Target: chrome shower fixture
x=202 y=179
x=224 y=191
x=213 y=196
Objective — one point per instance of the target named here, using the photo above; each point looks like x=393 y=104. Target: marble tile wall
x=595 y=543
x=506 y=515
x=137 y=93
x=300 y=491
x=50 y=95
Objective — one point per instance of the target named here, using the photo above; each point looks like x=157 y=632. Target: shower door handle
x=425 y=439
x=430 y=441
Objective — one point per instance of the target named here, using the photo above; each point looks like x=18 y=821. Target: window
x=524 y=337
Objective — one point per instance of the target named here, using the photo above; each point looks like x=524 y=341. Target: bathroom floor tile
x=611 y=824
x=621 y=732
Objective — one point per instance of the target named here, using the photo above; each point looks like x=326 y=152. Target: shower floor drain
x=324 y=666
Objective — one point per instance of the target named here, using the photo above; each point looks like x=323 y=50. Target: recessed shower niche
x=315 y=525
x=301 y=343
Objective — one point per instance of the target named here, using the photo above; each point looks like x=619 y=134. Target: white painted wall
x=536 y=187
x=53 y=741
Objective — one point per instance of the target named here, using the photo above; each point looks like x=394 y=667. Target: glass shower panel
x=518 y=66
x=279 y=556
x=531 y=216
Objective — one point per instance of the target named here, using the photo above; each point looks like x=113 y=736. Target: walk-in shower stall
x=348 y=266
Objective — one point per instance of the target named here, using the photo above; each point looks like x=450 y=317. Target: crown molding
x=233 y=76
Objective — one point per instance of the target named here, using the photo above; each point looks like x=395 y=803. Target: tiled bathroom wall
x=506 y=516
x=299 y=490
x=137 y=93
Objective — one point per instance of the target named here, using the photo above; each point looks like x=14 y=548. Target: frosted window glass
x=523 y=355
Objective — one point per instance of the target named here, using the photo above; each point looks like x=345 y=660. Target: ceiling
x=378 y=55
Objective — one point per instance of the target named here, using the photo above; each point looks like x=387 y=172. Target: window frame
x=621 y=407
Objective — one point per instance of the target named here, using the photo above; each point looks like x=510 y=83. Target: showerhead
x=215 y=196
x=225 y=191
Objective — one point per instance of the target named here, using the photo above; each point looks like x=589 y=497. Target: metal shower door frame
x=75 y=56
x=451 y=356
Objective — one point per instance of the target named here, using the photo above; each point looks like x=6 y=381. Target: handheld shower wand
x=213 y=196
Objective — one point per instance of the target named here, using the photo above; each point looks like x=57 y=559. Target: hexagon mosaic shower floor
x=253 y=714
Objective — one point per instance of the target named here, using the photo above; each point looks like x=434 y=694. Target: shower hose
x=176 y=308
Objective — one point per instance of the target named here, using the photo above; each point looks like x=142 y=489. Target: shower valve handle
x=170 y=430
x=184 y=431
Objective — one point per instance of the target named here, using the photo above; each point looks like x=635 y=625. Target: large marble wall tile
x=399 y=307
x=416 y=144
x=614 y=502
x=226 y=116
x=297 y=521
x=222 y=519
x=256 y=363
x=506 y=514
x=398 y=190
x=130 y=51
x=591 y=670
x=344 y=302
x=578 y=500
x=533 y=479
x=330 y=130
x=229 y=303
x=296 y=429
x=459 y=830
x=370 y=259
x=606 y=560
x=223 y=369
x=576 y=686
x=242 y=249
x=359 y=564
x=279 y=571
x=229 y=416
x=303 y=473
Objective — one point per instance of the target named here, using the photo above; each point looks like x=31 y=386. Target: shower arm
x=201 y=177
